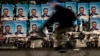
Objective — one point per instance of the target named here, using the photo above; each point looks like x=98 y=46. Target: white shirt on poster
x=35 y=18
x=85 y=18
x=7 y=18
x=22 y=18
x=45 y=18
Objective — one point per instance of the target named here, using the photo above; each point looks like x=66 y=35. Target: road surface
x=50 y=52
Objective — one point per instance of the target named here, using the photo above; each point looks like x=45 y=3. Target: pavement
x=50 y=52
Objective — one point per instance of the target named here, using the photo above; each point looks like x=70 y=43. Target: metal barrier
x=70 y=39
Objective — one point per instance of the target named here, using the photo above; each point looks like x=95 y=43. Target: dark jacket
x=94 y=29
x=63 y=16
x=19 y=33
x=33 y=16
x=81 y=15
x=34 y=32
x=4 y=16
x=19 y=16
x=93 y=14
x=6 y=33
x=45 y=16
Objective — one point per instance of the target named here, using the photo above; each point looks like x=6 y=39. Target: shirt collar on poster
x=33 y=16
x=7 y=32
x=34 y=31
x=19 y=32
x=20 y=15
x=94 y=13
x=81 y=14
x=5 y=15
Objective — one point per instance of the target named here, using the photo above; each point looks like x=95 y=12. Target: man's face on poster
x=94 y=25
x=34 y=27
x=45 y=11
x=19 y=28
x=81 y=10
x=33 y=12
x=7 y=29
x=20 y=11
x=5 y=12
x=93 y=9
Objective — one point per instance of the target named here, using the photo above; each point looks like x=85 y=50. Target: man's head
x=93 y=9
x=34 y=27
x=45 y=11
x=19 y=28
x=81 y=10
x=5 y=11
x=20 y=11
x=33 y=11
x=7 y=28
x=69 y=7
x=94 y=24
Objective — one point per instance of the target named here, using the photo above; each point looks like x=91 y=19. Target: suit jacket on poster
x=4 y=16
x=94 y=29
x=19 y=33
x=45 y=16
x=7 y=33
x=33 y=16
x=81 y=15
x=93 y=14
x=19 y=16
